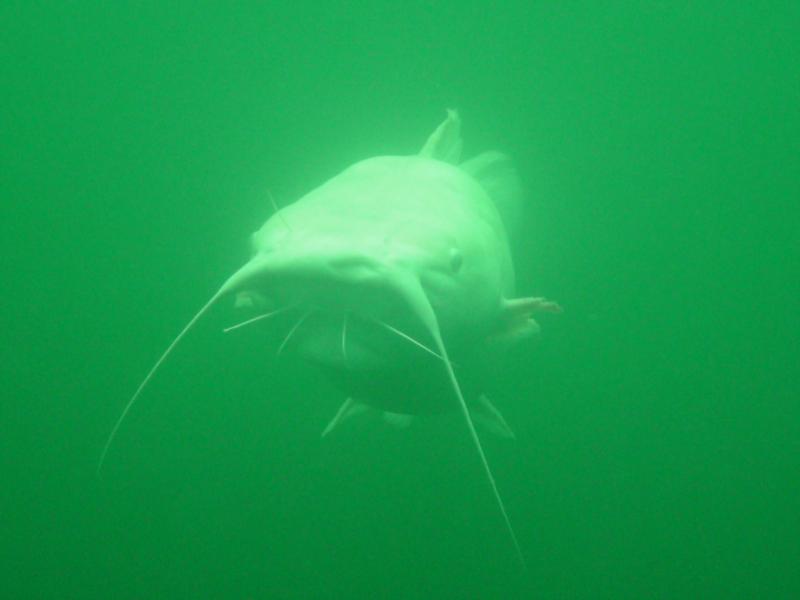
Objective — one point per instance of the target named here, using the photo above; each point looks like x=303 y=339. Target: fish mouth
x=344 y=310
x=345 y=342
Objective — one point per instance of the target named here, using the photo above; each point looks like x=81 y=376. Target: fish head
x=357 y=299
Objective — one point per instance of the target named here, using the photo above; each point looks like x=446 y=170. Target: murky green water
x=657 y=418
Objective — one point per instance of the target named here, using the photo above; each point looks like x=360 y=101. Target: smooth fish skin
x=400 y=280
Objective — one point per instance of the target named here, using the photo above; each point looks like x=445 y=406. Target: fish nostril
x=352 y=269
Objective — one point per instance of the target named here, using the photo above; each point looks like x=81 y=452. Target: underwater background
x=657 y=419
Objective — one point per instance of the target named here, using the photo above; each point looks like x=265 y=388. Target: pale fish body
x=400 y=281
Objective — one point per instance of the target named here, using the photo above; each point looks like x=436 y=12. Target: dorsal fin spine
x=445 y=142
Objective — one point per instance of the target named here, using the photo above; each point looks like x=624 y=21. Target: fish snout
x=341 y=281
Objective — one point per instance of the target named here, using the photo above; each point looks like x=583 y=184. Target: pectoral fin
x=516 y=322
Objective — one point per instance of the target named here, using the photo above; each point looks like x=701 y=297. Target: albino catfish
x=400 y=275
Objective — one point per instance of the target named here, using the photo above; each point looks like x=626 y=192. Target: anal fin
x=397 y=420
x=485 y=414
x=350 y=408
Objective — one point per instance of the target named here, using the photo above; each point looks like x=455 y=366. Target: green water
x=658 y=425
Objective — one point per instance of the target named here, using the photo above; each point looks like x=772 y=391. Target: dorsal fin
x=445 y=143
x=497 y=175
